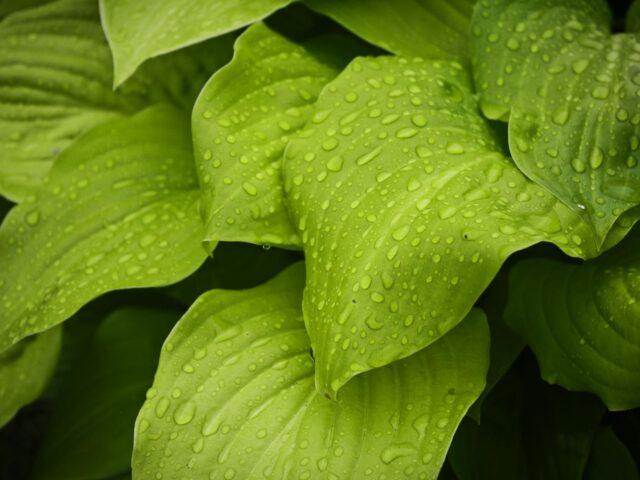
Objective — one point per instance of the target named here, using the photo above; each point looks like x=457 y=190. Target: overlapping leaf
x=56 y=83
x=583 y=321
x=610 y=458
x=242 y=122
x=139 y=31
x=119 y=210
x=407 y=208
x=90 y=431
x=25 y=370
x=234 y=397
x=571 y=92
x=426 y=28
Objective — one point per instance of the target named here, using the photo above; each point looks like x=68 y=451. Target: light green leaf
x=610 y=458
x=56 y=78
x=583 y=321
x=234 y=397
x=571 y=93
x=425 y=28
x=25 y=370
x=242 y=122
x=139 y=31
x=55 y=83
x=119 y=210
x=407 y=209
x=90 y=434
x=633 y=17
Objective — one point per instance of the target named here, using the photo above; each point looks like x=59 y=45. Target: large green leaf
x=118 y=210
x=407 y=209
x=25 y=370
x=90 y=434
x=529 y=431
x=138 y=31
x=426 y=28
x=234 y=397
x=242 y=122
x=571 y=93
x=55 y=84
x=583 y=321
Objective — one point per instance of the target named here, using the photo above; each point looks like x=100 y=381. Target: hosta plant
x=319 y=239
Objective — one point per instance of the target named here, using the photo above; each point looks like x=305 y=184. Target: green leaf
x=633 y=17
x=119 y=210
x=55 y=83
x=242 y=122
x=234 y=397
x=583 y=321
x=139 y=31
x=56 y=79
x=90 y=431
x=570 y=92
x=407 y=209
x=25 y=370
x=506 y=346
x=7 y=7
x=425 y=28
x=610 y=458
x=529 y=431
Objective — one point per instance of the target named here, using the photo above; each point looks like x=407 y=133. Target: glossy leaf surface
x=242 y=122
x=234 y=397
x=139 y=31
x=571 y=93
x=406 y=208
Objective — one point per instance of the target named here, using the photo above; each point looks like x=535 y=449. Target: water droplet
x=335 y=164
x=184 y=413
x=393 y=452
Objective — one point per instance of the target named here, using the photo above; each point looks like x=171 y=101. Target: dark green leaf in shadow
x=610 y=459
x=529 y=430
x=25 y=370
x=233 y=266
x=90 y=435
x=583 y=321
